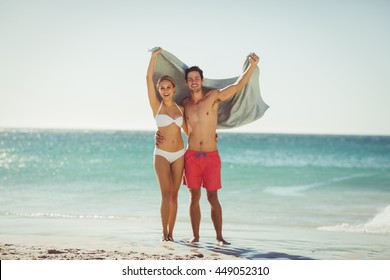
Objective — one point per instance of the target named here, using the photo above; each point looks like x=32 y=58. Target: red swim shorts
x=202 y=169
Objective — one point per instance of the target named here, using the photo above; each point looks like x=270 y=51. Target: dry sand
x=70 y=248
x=22 y=252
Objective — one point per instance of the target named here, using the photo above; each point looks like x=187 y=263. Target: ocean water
x=283 y=196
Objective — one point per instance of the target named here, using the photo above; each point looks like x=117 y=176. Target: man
x=202 y=161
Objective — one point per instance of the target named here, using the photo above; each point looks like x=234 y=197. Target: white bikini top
x=165 y=120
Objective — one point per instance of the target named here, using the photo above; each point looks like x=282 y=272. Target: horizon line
x=219 y=131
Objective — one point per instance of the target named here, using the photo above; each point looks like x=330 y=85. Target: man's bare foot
x=193 y=240
x=222 y=242
x=169 y=238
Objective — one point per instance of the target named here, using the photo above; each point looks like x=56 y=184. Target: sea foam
x=379 y=224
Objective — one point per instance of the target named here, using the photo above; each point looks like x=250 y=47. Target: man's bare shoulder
x=212 y=93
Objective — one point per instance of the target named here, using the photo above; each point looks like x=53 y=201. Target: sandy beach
x=23 y=252
x=53 y=248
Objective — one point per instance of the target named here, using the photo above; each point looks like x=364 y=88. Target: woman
x=169 y=155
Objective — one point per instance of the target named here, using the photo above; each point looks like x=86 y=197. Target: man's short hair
x=192 y=69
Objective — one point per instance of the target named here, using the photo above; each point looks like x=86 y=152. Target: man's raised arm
x=232 y=89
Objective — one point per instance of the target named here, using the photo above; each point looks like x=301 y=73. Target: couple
x=197 y=116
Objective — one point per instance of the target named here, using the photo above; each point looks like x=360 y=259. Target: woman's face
x=166 y=89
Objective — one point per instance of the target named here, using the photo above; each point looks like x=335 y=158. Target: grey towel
x=244 y=107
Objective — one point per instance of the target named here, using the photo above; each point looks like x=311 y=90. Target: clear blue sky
x=82 y=64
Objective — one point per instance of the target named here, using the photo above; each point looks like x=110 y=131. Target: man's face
x=194 y=81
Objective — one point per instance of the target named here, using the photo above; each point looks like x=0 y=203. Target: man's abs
x=202 y=142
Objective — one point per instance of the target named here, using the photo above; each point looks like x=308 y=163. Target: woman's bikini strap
x=159 y=109
x=178 y=107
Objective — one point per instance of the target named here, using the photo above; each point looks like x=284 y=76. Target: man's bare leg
x=195 y=213
x=216 y=215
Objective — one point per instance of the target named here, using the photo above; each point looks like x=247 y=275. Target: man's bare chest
x=199 y=112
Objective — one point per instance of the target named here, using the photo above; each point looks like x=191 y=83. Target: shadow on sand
x=247 y=253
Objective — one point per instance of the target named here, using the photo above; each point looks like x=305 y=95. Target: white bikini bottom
x=170 y=156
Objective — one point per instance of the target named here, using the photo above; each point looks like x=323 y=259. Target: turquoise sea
x=283 y=196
